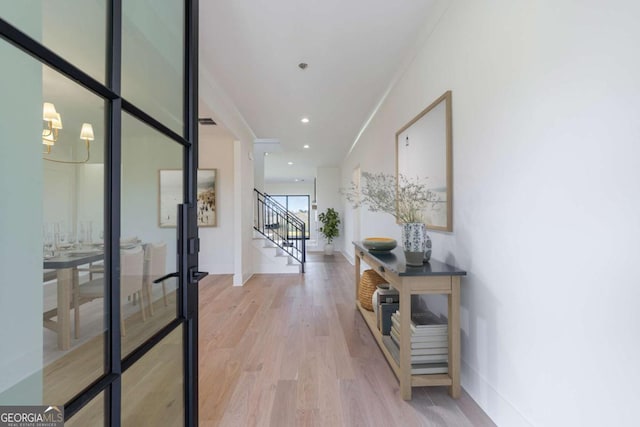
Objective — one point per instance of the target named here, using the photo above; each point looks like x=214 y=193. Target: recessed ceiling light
x=305 y=120
x=266 y=154
x=296 y=180
x=305 y=146
x=289 y=163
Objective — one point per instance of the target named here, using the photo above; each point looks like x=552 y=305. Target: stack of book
x=429 y=342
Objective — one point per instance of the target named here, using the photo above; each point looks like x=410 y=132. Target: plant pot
x=416 y=243
x=328 y=249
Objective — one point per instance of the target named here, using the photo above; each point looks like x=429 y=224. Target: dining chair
x=155 y=266
x=131 y=284
x=98 y=267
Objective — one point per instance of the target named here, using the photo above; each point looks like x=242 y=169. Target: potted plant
x=330 y=221
x=403 y=198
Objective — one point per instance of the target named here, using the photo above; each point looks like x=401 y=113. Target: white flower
x=403 y=198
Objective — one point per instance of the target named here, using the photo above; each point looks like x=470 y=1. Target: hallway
x=291 y=350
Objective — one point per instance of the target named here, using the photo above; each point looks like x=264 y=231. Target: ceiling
x=354 y=49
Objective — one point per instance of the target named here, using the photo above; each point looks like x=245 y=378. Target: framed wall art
x=170 y=195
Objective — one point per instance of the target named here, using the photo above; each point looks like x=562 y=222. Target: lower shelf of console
x=422 y=380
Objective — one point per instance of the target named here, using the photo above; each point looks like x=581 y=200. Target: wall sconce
x=50 y=133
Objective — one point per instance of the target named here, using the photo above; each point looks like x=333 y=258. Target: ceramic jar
x=416 y=243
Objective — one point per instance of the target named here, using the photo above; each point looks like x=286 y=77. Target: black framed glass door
x=99 y=135
x=299 y=206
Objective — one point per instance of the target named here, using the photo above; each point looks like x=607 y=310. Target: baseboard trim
x=350 y=257
x=500 y=410
x=239 y=280
x=217 y=268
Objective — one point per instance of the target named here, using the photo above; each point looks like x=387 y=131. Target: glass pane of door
x=52 y=234
x=153 y=59
x=151 y=193
x=74 y=29
x=51 y=181
x=91 y=415
x=299 y=206
x=153 y=388
x=281 y=200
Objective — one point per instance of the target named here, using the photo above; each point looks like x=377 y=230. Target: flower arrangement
x=403 y=198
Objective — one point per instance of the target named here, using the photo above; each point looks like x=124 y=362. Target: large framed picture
x=170 y=195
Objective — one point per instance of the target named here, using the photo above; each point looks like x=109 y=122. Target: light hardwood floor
x=291 y=350
x=67 y=373
x=283 y=350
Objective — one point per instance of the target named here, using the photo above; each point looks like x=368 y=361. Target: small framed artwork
x=170 y=195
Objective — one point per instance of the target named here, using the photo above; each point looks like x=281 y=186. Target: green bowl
x=379 y=244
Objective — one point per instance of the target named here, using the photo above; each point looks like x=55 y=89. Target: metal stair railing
x=280 y=226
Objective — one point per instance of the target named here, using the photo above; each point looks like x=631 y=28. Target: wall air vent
x=206 y=121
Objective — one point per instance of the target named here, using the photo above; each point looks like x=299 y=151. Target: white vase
x=328 y=249
x=416 y=243
x=374 y=300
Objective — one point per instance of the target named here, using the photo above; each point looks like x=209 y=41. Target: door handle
x=165 y=277
x=195 y=276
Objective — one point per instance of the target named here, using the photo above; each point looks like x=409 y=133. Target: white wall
x=217 y=243
x=303 y=188
x=546 y=97
x=243 y=200
x=258 y=170
x=90 y=197
x=21 y=188
x=213 y=98
x=59 y=202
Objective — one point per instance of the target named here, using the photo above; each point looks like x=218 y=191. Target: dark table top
x=72 y=259
x=394 y=261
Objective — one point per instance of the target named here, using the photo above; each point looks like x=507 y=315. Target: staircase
x=270 y=259
x=281 y=229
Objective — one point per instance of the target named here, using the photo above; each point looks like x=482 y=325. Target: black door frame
x=187 y=318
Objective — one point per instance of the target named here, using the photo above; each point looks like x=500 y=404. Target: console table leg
x=454 y=337
x=405 y=344
x=357 y=259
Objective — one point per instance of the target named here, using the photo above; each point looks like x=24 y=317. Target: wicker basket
x=368 y=284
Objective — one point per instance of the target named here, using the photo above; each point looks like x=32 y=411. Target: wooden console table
x=433 y=277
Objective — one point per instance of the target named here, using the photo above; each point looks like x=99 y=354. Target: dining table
x=66 y=266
